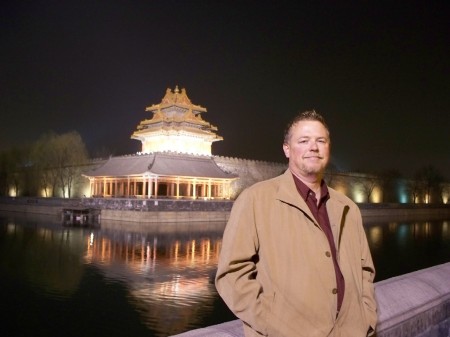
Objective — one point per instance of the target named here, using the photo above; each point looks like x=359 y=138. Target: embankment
x=168 y=210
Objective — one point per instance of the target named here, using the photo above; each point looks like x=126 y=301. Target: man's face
x=308 y=149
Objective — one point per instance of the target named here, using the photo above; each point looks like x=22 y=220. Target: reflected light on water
x=392 y=227
x=445 y=229
x=161 y=277
x=376 y=236
x=176 y=274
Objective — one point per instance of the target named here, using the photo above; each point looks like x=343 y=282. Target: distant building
x=175 y=160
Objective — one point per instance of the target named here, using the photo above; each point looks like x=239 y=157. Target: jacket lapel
x=337 y=212
x=288 y=194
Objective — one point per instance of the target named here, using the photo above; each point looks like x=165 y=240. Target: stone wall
x=170 y=210
x=160 y=210
x=249 y=171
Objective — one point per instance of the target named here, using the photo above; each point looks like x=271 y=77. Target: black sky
x=377 y=70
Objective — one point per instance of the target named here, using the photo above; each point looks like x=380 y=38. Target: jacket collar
x=287 y=193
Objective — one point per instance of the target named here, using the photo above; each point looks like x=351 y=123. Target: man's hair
x=310 y=115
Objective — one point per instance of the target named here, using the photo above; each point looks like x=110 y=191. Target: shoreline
x=174 y=211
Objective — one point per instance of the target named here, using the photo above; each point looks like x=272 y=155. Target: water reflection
x=169 y=276
x=401 y=247
x=160 y=277
x=43 y=257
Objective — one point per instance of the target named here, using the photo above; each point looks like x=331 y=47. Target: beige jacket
x=275 y=271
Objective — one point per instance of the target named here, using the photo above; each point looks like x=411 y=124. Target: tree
x=389 y=180
x=428 y=181
x=43 y=158
x=366 y=183
x=59 y=159
x=4 y=173
x=71 y=155
x=415 y=188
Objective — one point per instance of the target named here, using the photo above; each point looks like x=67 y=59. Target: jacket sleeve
x=368 y=292
x=236 y=279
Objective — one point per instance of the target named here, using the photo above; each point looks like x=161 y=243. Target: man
x=295 y=260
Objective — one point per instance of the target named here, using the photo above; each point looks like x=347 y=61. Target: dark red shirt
x=319 y=210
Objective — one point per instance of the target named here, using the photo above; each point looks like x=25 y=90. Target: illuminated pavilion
x=175 y=161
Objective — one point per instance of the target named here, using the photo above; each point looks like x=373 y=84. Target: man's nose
x=313 y=146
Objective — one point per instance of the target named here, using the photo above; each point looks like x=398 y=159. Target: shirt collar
x=305 y=191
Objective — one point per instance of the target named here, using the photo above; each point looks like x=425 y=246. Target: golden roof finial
x=176 y=89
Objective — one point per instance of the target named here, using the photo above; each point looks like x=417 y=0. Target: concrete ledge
x=411 y=305
x=227 y=329
x=415 y=304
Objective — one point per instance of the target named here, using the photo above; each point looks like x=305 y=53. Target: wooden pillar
x=91 y=186
x=150 y=193
x=144 y=187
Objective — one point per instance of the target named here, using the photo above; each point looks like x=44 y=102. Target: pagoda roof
x=161 y=164
x=176 y=98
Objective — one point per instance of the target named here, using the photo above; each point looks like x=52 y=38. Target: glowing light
x=12 y=192
x=86 y=191
x=376 y=195
x=358 y=196
x=177 y=143
x=445 y=197
x=403 y=198
x=340 y=188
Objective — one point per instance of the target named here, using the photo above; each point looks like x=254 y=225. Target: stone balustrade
x=411 y=305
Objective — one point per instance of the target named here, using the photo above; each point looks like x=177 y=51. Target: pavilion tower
x=176 y=126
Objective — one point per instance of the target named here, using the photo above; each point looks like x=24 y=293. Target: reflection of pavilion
x=165 y=277
x=175 y=160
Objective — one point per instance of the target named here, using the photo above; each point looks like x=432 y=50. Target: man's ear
x=286 y=150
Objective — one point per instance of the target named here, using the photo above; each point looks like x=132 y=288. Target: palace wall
x=249 y=171
x=360 y=187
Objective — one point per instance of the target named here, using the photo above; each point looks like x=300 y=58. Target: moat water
x=126 y=279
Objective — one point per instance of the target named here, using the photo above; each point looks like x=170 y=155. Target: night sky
x=377 y=70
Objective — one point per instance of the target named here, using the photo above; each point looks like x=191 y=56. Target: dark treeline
x=49 y=167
